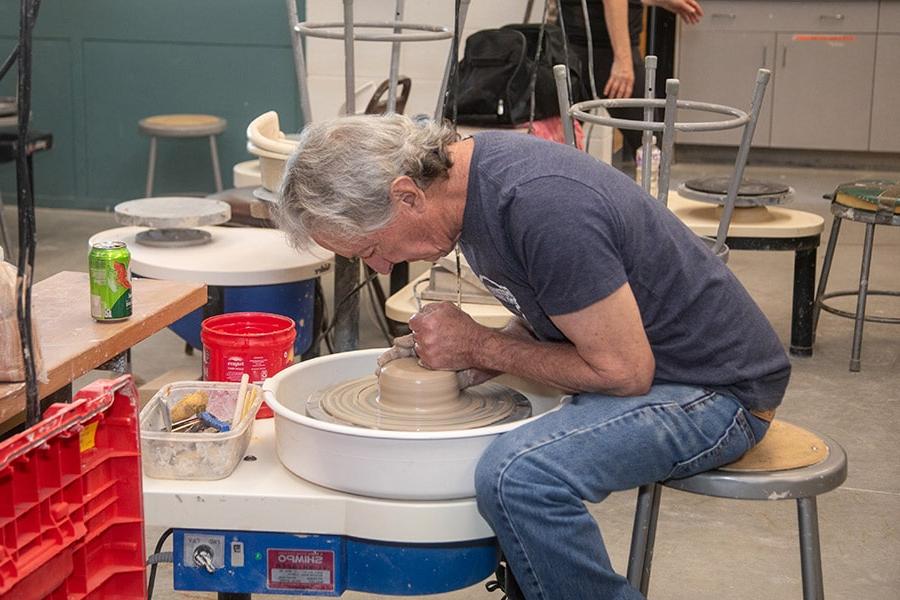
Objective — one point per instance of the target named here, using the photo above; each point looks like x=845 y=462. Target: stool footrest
x=852 y=315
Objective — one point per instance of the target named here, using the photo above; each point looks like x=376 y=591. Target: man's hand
x=445 y=337
x=689 y=10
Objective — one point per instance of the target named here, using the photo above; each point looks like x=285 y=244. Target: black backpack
x=496 y=70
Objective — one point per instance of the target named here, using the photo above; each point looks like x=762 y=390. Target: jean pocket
x=736 y=440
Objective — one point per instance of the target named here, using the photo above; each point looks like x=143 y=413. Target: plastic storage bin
x=71 y=512
x=176 y=455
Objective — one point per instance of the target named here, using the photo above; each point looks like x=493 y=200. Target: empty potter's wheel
x=172 y=219
x=407 y=397
x=751 y=192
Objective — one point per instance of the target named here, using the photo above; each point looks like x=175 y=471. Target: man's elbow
x=634 y=378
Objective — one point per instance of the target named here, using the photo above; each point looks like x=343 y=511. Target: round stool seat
x=186 y=125
x=770 y=470
x=870 y=195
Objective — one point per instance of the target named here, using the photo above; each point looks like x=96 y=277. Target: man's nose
x=379 y=264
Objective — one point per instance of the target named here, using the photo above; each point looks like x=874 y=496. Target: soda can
x=109 y=266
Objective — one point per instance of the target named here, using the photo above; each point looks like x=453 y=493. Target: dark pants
x=603 y=59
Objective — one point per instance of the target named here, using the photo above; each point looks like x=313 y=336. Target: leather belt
x=765 y=415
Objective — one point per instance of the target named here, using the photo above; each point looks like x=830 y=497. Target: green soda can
x=109 y=266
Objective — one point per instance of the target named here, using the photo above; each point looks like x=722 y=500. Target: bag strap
x=454 y=75
x=562 y=27
x=592 y=78
x=532 y=85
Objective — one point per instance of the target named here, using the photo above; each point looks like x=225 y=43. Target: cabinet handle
x=784 y=56
x=724 y=16
x=836 y=17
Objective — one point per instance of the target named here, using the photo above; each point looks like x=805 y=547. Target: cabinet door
x=823 y=91
x=886 y=99
x=720 y=67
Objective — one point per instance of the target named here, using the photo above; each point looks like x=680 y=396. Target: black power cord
x=25 y=201
x=151 y=581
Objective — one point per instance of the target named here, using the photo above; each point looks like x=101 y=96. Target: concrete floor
x=709 y=548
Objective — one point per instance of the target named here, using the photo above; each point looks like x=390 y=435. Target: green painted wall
x=101 y=65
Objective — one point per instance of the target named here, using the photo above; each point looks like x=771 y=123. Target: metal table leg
x=802 y=309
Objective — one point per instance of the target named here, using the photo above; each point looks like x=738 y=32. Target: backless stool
x=873 y=202
x=182 y=126
x=790 y=463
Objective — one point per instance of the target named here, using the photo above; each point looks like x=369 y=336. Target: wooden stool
x=790 y=463
x=873 y=202
x=182 y=126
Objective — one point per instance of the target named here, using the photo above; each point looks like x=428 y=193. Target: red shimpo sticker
x=300 y=570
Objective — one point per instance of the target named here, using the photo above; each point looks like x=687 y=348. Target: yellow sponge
x=189 y=406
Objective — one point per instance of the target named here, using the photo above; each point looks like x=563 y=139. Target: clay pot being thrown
x=406 y=386
x=409 y=397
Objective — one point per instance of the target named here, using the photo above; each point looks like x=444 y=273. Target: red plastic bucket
x=259 y=344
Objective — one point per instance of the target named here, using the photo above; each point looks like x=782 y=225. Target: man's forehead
x=342 y=243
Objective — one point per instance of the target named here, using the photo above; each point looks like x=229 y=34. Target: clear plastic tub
x=178 y=455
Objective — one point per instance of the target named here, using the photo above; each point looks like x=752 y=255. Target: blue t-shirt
x=549 y=230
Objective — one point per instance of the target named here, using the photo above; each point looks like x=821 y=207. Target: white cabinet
x=720 y=67
x=830 y=90
x=823 y=91
x=885 y=136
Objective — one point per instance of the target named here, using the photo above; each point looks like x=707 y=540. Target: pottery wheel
x=399 y=401
x=171 y=219
x=751 y=192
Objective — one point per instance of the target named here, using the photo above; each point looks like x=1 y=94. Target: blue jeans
x=532 y=482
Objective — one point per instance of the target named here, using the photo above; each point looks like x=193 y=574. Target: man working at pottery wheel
x=673 y=368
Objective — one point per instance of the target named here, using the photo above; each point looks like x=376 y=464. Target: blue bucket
x=295 y=300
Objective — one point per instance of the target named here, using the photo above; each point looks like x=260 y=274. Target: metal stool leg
x=7 y=249
x=214 y=154
x=861 y=300
x=826 y=269
x=151 y=167
x=643 y=536
x=810 y=553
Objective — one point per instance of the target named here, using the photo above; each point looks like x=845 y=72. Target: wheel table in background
x=244 y=267
x=768 y=228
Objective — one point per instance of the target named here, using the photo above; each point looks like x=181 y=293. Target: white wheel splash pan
x=398 y=465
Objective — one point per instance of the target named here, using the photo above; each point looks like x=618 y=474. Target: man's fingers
x=404 y=346
x=405 y=341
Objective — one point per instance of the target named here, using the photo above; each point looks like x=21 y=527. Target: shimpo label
x=300 y=570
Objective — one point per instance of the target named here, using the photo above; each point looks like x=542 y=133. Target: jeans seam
x=693 y=404
x=716 y=446
x=511 y=460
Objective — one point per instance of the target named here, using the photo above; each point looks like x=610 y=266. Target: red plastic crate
x=71 y=513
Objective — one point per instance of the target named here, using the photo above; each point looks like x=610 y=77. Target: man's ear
x=405 y=192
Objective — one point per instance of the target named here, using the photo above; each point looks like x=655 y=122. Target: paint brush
x=241 y=399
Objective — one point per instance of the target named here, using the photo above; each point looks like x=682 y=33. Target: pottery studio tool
x=188 y=406
x=241 y=399
x=454 y=281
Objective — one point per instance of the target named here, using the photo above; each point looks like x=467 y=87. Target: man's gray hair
x=339 y=178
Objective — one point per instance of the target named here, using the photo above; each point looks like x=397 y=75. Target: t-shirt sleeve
x=568 y=239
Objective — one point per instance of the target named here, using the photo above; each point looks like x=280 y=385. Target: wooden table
x=72 y=343
x=770 y=228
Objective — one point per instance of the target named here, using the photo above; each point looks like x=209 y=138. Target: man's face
x=403 y=239
x=417 y=231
